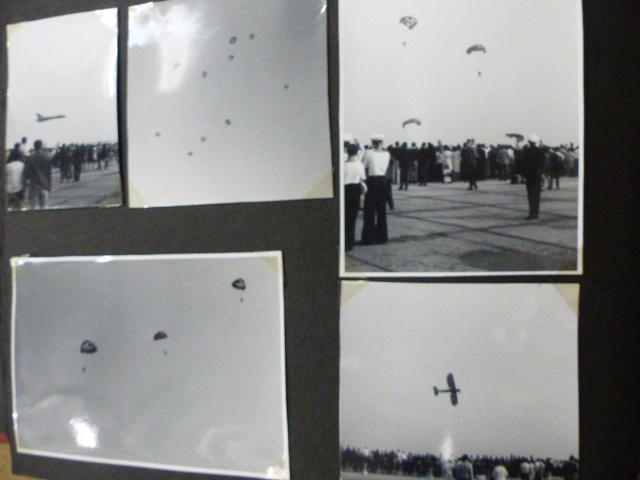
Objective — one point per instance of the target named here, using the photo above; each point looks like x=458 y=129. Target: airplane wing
x=454 y=398
x=450 y=382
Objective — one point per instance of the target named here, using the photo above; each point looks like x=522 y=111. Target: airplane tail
x=435 y=391
x=39 y=116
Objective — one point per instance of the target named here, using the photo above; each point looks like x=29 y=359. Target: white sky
x=214 y=402
x=207 y=128
x=63 y=66
x=531 y=74
x=511 y=348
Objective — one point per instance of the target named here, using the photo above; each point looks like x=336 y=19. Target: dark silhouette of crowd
x=29 y=174
x=448 y=163
x=531 y=162
x=392 y=462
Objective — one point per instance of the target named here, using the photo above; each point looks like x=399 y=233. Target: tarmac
x=96 y=188
x=445 y=228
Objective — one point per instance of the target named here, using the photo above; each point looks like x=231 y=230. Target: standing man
x=38 y=176
x=463 y=469
x=499 y=473
x=403 y=156
x=376 y=161
x=470 y=159
x=15 y=178
x=533 y=160
x=354 y=185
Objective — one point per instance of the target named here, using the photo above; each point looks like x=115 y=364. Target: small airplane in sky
x=44 y=119
x=451 y=390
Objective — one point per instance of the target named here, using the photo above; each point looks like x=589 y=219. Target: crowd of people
x=372 y=171
x=30 y=173
x=463 y=468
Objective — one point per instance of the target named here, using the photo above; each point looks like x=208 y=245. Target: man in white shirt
x=15 y=182
x=354 y=184
x=499 y=473
x=376 y=161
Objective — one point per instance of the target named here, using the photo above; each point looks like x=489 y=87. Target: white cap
x=377 y=138
x=533 y=138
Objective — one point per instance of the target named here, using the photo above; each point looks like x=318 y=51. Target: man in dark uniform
x=470 y=160
x=376 y=161
x=423 y=165
x=403 y=155
x=533 y=161
x=37 y=174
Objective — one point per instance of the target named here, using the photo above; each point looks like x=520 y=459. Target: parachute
x=517 y=136
x=411 y=120
x=88 y=347
x=409 y=21
x=160 y=335
x=476 y=48
x=239 y=284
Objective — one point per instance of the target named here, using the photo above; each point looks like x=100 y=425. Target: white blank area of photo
x=228 y=102
x=512 y=349
x=208 y=398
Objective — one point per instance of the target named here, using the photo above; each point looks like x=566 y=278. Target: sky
x=210 y=397
x=228 y=102
x=512 y=349
x=531 y=73
x=63 y=66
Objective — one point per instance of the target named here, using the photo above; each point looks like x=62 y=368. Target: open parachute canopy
x=409 y=21
x=415 y=121
x=476 y=48
x=88 y=347
x=239 y=284
x=517 y=136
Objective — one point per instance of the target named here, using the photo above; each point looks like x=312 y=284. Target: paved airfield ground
x=447 y=228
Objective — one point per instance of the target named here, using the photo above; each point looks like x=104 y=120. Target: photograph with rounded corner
x=228 y=102
x=458 y=381
x=168 y=362
x=462 y=137
x=62 y=126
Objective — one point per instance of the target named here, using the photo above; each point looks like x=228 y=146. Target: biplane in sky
x=452 y=390
x=41 y=118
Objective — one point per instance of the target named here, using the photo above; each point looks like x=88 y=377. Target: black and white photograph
x=462 y=137
x=458 y=381
x=171 y=362
x=62 y=147
x=228 y=102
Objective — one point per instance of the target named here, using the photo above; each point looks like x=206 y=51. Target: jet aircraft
x=41 y=118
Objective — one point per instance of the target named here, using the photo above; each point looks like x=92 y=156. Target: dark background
x=307 y=232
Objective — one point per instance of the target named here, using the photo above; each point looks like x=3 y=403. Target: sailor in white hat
x=376 y=161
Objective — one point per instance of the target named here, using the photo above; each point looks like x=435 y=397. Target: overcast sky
x=63 y=66
x=530 y=81
x=210 y=397
x=511 y=348
x=228 y=102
